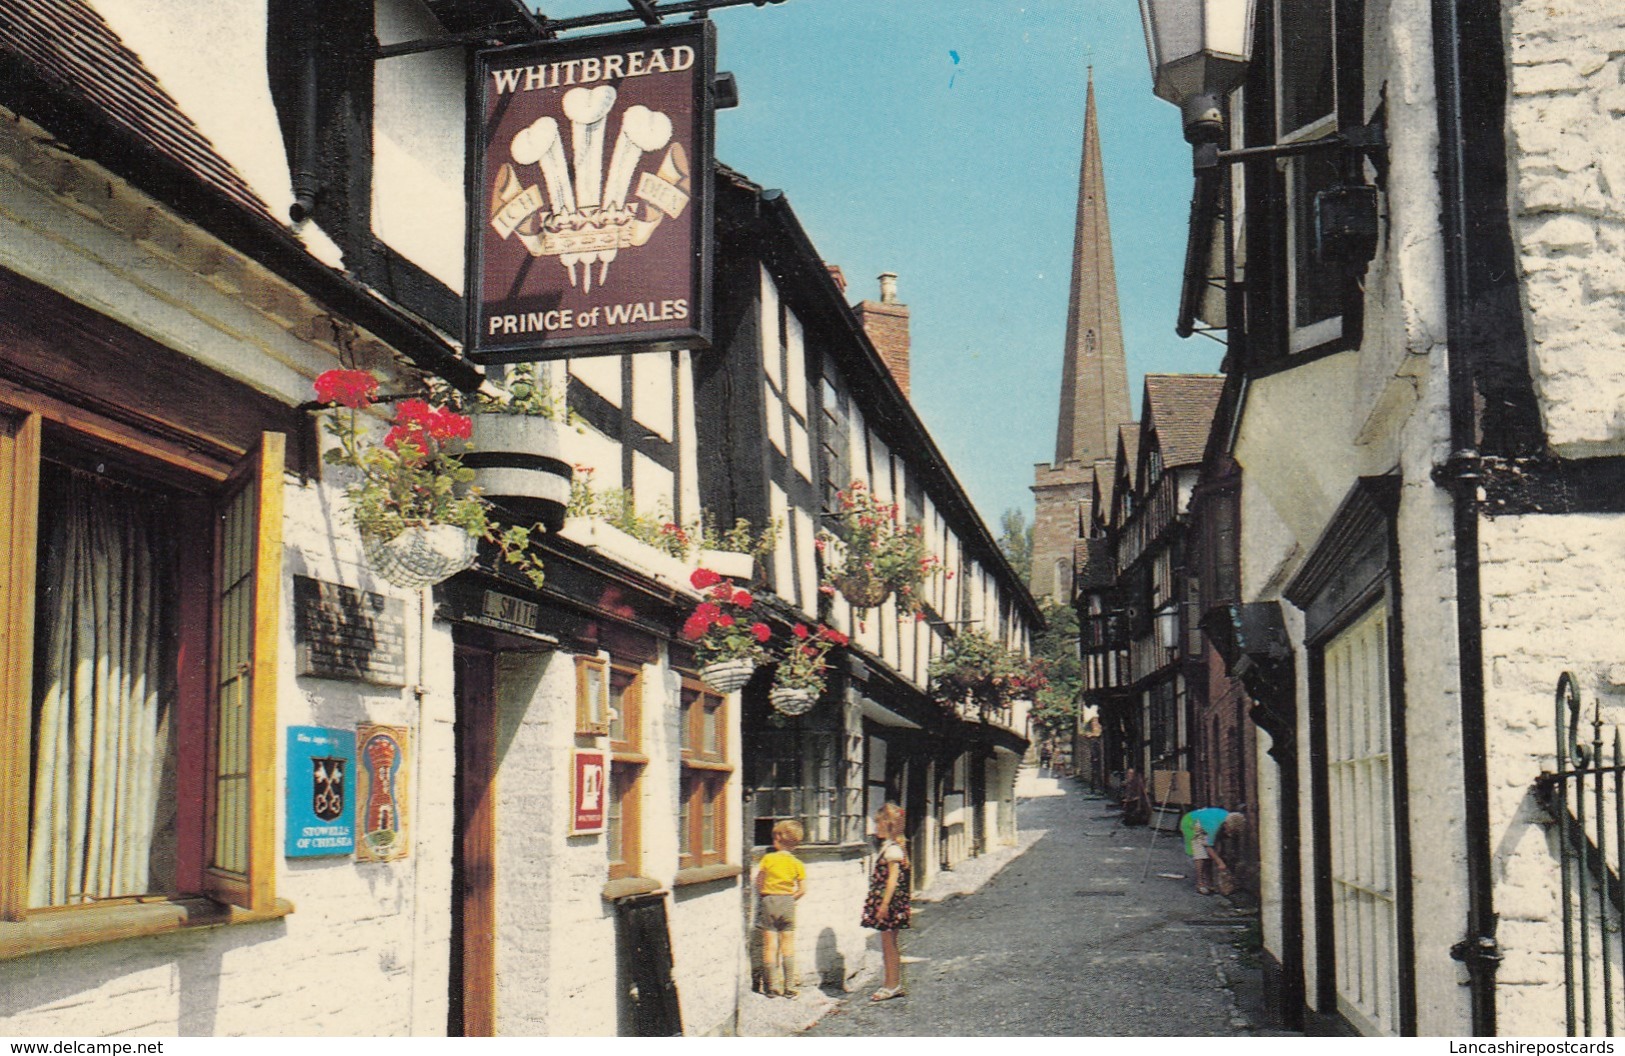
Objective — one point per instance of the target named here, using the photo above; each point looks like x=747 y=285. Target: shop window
x=137 y=675
x=623 y=826
x=702 y=836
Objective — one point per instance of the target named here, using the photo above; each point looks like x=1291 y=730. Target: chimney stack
x=886 y=323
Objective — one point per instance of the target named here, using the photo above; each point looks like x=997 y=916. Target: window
x=623 y=827
x=796 y=772
x=702 y=831
x=834 y=440
x=1306 y=108
x=592 y=697
x=137 y=673
x=1359 y=761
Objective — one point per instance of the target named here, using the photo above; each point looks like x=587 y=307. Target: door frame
x=471 y=1011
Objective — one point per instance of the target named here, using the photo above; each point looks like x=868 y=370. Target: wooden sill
x=87 y=926
x=705 y=874
x=628 y=886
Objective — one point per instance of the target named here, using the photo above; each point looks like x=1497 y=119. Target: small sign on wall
x=321 y=769
x=382 y=757
x=589 y=775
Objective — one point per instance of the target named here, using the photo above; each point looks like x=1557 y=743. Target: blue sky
x=961 y=177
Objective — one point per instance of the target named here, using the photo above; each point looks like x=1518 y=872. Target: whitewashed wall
x=1567 y=143
x=418 y=142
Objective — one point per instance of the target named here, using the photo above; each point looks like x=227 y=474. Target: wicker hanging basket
x=421 y=556
x=791 y=700
x=863 y=589
x=725 y=676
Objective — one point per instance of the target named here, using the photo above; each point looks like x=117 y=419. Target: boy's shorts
x=777 y=913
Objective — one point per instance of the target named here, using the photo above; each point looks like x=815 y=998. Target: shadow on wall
x=829 y=959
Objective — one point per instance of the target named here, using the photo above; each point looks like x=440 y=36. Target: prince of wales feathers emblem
x=589 y=221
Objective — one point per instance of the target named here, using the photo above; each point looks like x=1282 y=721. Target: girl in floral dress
x=887 y=908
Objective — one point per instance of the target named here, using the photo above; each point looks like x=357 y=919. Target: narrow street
x=1068 y=940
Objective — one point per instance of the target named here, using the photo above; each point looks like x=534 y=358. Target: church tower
x=1094 y=381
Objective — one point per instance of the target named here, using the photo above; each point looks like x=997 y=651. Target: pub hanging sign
x=590 y=195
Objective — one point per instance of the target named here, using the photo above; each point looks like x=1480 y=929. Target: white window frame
x=1360 y=812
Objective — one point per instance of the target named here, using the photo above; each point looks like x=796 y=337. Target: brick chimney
x=886 y=323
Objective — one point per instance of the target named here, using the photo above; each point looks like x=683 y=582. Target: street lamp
x=1199 y=51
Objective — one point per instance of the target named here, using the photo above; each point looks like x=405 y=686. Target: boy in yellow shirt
x=781 y=880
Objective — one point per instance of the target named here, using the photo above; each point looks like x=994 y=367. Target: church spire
x=1094 y=382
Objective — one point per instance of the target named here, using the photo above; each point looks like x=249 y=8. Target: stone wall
x=1566 y=134
x=1572 y=563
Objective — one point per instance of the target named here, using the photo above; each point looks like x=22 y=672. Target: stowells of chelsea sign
x=590 y=195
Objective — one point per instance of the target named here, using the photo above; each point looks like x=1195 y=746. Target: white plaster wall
x=364 y=952
x=419 y=118
x=1432 y=717
x=556 y=953
x=1566 y=141
x=211 y=58
x=1572 y=564
x=535 y=696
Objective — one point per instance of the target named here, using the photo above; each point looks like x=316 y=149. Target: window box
x=634 y=554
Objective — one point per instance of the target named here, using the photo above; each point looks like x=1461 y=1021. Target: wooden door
x=472 y=1011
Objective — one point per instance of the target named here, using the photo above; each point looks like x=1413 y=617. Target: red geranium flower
x=704 y=577
x=743 y=599
x=799 y=630
x=695 y=627
x=708 y=612
x=352 y=388
x=723 y=591
x=761 y=631
x=725 y=621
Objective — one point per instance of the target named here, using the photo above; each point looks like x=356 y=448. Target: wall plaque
x=321 y=776
x=381 y=799
x=344 y=633
x=589 y=801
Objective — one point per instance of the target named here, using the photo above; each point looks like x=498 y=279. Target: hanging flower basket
x=421 y=557
x=516 y=462
x=791 y=700
x=725 y=676
x=863 y=590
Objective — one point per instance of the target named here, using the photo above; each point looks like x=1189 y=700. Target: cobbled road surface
x=1068 y=940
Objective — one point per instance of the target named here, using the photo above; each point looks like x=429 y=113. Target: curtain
x=101 y=717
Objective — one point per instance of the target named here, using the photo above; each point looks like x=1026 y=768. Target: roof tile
x=71 y=48
x=1180 y=408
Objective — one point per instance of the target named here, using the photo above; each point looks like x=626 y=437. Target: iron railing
x=1587 y=797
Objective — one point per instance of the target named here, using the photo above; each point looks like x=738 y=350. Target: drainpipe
x=307 y=126
x=1478 y=948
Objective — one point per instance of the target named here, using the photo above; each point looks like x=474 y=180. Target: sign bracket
x=531 y=26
